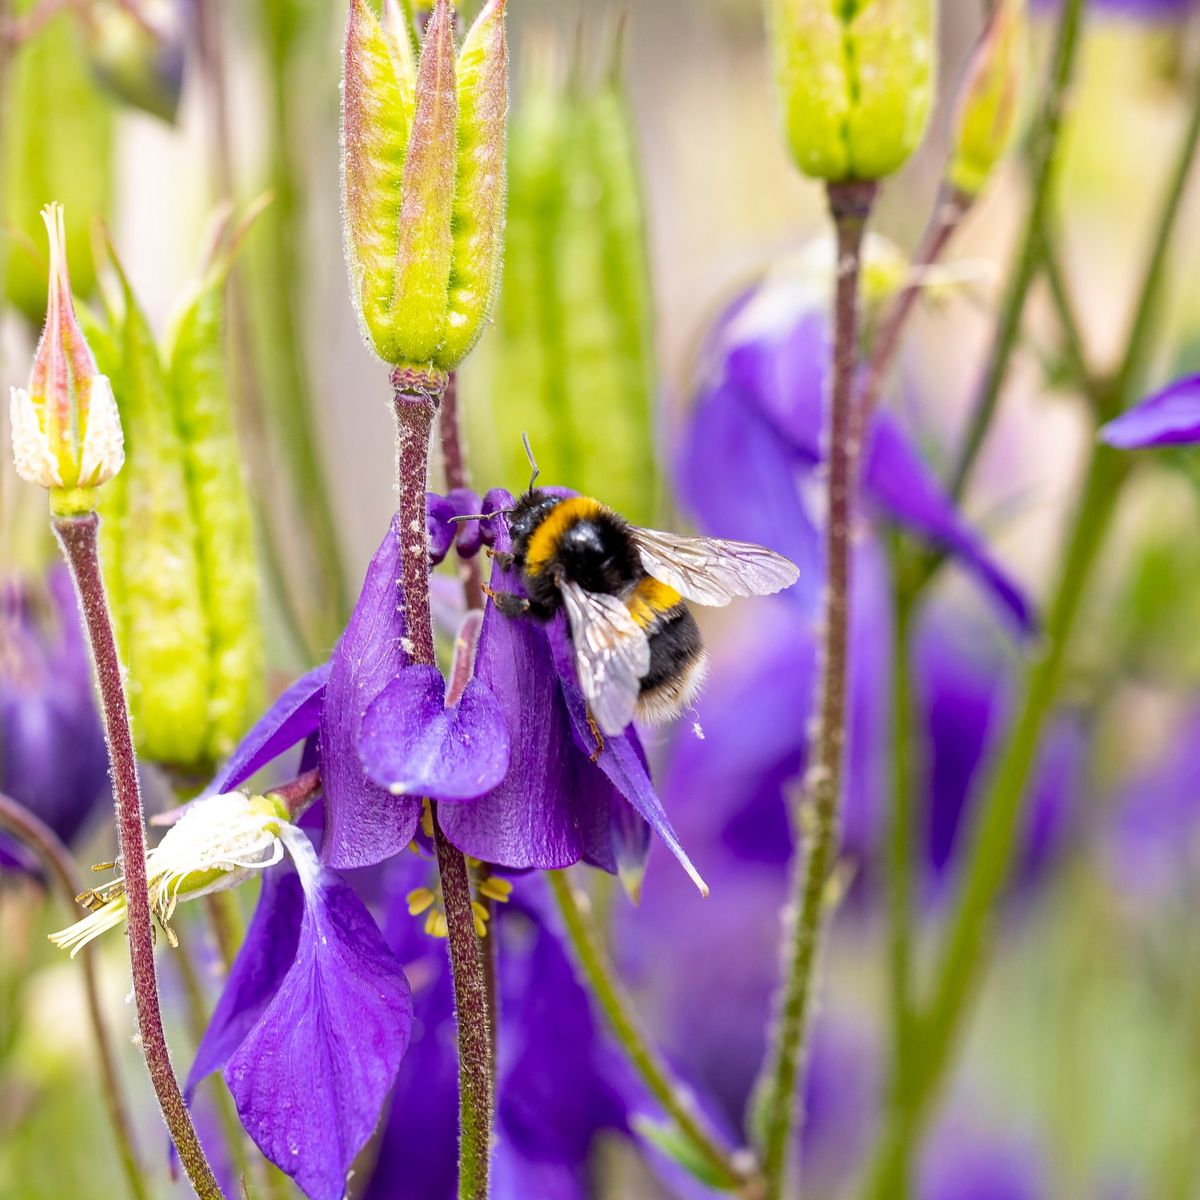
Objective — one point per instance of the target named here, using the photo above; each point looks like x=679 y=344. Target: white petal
x=104 y=440
x=31 y=448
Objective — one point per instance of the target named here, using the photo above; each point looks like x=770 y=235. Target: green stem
x=994 y=838
x=1138 y=346
x=817 y=846
x=620 y=1012
x=56 y=859
x=1043 y=159
x=902 y=829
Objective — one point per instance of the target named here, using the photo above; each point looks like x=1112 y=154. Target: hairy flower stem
x=819 y=812
x=458 y=475
x=78 y=538
x=1043 y=159
x=951 y=207
x=621 y=1014
x=56 y=859
x=416 y=399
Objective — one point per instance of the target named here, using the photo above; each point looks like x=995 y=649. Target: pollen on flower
x=217 y=844
x=484 y=886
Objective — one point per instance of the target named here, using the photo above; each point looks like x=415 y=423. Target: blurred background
x=1080 y=1074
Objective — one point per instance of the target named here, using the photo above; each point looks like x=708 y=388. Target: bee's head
x=528 y=513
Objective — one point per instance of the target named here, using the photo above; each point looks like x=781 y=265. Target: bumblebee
x=638 y=650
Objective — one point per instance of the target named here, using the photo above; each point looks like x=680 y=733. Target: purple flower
x=1153 y=844
x=364 y=823
x=555 y=806
x=746 y=461
x=558 y=1084
x=311 y=1026
x=965 y=1162
x=1170 y=417
x=52 y=754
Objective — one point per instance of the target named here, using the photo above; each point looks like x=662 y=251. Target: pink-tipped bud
x=66 y=430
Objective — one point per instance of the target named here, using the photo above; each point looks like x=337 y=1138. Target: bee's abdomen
x=677 y=657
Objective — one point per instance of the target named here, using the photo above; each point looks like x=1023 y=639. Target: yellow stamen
x=495 y=888
x=419 y=899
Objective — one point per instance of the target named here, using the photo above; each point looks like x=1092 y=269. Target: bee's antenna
x=500 y=512
x=532 y=460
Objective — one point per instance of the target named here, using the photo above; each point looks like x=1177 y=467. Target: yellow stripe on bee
x=544 y=543
x=650 y=600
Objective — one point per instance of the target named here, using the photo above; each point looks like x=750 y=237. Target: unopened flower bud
x=423 y=148
x=66 y=431
x=989 y=103
x=855 y=80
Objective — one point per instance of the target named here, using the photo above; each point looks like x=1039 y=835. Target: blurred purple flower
x=1153 y=844
x=966 y=1162
x=1170 y=417
x=311 y=1026
x=52 y=754
x=746 y=461
x=559 y=1085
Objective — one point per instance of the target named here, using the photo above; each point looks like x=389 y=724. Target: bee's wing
x=612 y=654
x=711 y=570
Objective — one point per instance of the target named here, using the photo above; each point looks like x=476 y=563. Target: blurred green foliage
x=56 y=143
x=572 y=361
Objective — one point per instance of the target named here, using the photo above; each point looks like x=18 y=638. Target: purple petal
x=311 y=1077
x=553 y=804
x=1168 y=418
x=414 y=745
x=470 y=533
x=895 y=476
x=438 y=514
x=620 y=759
x=262 y=963
x=740 y=479
x=631 y=848
x=364 y=823
x=291 y=719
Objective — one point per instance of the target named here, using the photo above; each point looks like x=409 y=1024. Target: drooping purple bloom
x=747 y=454
x=558 y=1086
x=312 y=1024
x=1170 y=417
x=555 y=805
x=52 y=754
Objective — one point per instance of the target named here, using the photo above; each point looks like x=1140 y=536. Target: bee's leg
x=598 y=735
x=508 y=603
x=503 y=558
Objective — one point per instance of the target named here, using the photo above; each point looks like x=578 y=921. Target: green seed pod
x=162 y=618
x=426 y=248
x=989 y=102
x=478 y=219
x=224 y=523
x=423 y=180
x=574 y=360
x=56 y=142
x=855 y=80
x=376 y=120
